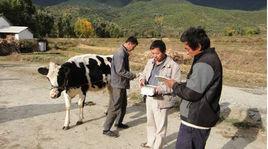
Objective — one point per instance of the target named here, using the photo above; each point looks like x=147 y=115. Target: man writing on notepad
x=157 y=105
x=201 y=93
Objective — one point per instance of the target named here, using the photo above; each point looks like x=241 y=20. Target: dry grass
x=243 y=58
x=244 y=61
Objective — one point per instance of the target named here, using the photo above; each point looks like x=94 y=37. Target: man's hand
x=134 y=76
x=142 y=82
x=169 y=82
x=158 y=90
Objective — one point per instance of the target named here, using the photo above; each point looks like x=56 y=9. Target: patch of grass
x=12 y=57
x=61 y=44
x=36 y=57
x=244 y=79
x=135 y=97
x=137 y=67
x=44 y=58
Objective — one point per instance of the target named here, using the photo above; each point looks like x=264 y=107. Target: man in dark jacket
x=201 y=92
x=120 y=77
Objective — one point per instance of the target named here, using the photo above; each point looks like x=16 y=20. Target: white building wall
x=26 y=34
x=17 y=36
x=3 y=22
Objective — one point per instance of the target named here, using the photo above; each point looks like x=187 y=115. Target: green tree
x=105 y=29
x=19 y=12
x=101 y=30
x=59 y=27
x=67 y=26
x=158 y=20
x=115 y=30
x=64 y=27
x=44 y=23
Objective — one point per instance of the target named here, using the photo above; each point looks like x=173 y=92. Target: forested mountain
x=222 y=4
x=48 y=2
x=144 y=18
x=139 y=16
x=82 y=2
x=232 y=4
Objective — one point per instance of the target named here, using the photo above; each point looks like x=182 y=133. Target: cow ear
x=43 y=70
x=109 y=59
x=66 y=70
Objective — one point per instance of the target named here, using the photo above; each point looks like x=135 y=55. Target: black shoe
x=110 y=133
x=144 y=145
x=123 y=126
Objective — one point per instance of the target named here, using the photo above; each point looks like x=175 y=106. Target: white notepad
x=148 y=90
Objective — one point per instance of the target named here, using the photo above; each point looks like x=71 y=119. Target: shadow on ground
x=247 y=131
x=28 y=111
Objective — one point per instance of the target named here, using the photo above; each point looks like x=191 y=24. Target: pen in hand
x=169 y=82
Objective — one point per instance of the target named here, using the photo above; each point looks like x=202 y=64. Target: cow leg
x=67 y=100
x=82 y=97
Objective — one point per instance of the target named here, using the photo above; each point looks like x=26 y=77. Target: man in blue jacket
x=201 y=92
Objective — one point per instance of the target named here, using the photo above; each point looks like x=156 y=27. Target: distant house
x=4 y=22
x=16 y=32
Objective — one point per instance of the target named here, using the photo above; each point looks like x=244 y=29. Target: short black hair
x=195 y=36
x=159 y=44
x=133 y=40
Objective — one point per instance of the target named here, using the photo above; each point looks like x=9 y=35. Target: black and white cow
x=89 y=72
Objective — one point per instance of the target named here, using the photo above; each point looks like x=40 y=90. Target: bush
x=237 y=30
x=251 y=30
x=27 y=46
x=108 y=30
x=233 y=30
x=8 y=47
x=229 y=31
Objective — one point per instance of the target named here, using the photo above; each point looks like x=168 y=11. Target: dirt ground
x=30 y=120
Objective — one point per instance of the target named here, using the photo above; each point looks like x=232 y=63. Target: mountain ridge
x=137 y=17
x=248 y=5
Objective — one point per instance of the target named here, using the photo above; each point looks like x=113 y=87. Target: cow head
x=56 y=74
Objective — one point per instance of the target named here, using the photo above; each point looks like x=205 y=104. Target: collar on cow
x=61 y=88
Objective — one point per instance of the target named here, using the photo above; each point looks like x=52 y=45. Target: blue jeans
x=192 y=138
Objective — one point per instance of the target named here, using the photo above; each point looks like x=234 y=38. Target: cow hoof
x=65 y=127
x=79 y=122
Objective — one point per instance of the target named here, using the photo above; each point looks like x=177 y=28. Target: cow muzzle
x=54 y=93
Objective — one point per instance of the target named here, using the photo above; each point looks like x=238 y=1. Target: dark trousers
x=117 y=108
x=192 y=138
